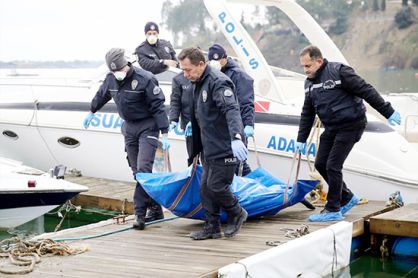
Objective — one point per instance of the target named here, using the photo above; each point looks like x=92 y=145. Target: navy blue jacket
x=216 y=119
x=137 y=97
x=244 y=88
x=336 y=95
x=181 y=100
x=149 y=56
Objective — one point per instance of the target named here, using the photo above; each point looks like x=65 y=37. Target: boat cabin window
x=68 y=142
x=10 y=134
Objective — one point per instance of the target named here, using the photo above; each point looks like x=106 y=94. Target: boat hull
x=13 y=217
x=51 y=133
x=100 y=154
x=17 y=208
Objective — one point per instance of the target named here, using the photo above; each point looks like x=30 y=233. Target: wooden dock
x=105 y=194
x=400 y=222
x=164 y=249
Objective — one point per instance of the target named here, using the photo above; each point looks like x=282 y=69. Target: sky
x=73 y=29
x=47 y=30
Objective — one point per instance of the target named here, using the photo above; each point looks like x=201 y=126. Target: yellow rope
x=317 y=196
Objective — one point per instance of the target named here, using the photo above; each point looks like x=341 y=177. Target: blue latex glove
x=239 y=150
x=87 y=120
x=249 y=131
x=166 y=144
x=188 y=129
x=172 y=126
x=395 y=119
x=300 y=146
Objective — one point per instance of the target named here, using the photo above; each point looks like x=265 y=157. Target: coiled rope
x=27 y=253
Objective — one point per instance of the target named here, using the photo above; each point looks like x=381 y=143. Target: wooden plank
x=165 y=249
x=104 y=193
x=400 y=222
x=358 y=227
x=104 y=203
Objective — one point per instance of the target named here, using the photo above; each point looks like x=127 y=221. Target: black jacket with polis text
x=137 y=97
x=149 y=56
x=336 y=95
x=216 y=118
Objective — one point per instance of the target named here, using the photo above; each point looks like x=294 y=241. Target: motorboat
x=41 y=122
x=27 y=193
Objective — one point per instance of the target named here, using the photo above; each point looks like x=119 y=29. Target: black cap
x=216 y=52
x=151 y=26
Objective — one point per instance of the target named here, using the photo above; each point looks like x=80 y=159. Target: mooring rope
x=27 y=253
x=114 y=231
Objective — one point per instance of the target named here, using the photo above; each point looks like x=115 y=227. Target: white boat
x=27 y=193
x=41 y=125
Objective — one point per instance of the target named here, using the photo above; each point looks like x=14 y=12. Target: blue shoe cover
x=326 y=216
x=354 y=200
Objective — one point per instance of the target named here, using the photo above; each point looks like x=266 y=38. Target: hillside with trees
x=372 y=34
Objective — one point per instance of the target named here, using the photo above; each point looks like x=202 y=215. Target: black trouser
x=189 y=146
x=245 y=168
x=141 y=141
x=215 y=188
x=333 y=150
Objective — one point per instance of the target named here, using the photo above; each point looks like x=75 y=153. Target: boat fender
x=405 y=247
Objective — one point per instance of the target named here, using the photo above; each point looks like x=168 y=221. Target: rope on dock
x=114 y=231
x=27 y=253
x=291 y=234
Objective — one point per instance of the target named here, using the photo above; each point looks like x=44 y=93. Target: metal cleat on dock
x=120 y=219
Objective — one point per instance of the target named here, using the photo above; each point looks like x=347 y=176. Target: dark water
x=392 y=81
x=49 y=222
x=368 y=266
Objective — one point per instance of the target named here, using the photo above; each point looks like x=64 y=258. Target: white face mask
x=215 y=64
x=152 y=39
x=119 y=75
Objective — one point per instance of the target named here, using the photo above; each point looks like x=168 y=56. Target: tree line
x=191 y=25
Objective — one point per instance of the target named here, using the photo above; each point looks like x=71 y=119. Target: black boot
x=235 y=223
x=139 y=223
x=210 y=229
x=155 y=212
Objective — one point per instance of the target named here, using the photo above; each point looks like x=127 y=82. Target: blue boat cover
x=259 y=192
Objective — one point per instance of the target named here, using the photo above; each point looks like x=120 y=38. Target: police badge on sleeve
x=228 y=93
x=156 y=90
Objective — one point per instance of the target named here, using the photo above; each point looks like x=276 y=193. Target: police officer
x=217 y=134
x=244 y=90
x=154 y=54
x=180 y=109
x=335 y=93
x=140 y=103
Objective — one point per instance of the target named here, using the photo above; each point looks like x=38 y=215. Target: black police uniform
x=140 y=102
x=180 y=106
x=336 y=95
x=216 y=122
x=150 y=56
x=244 y=89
